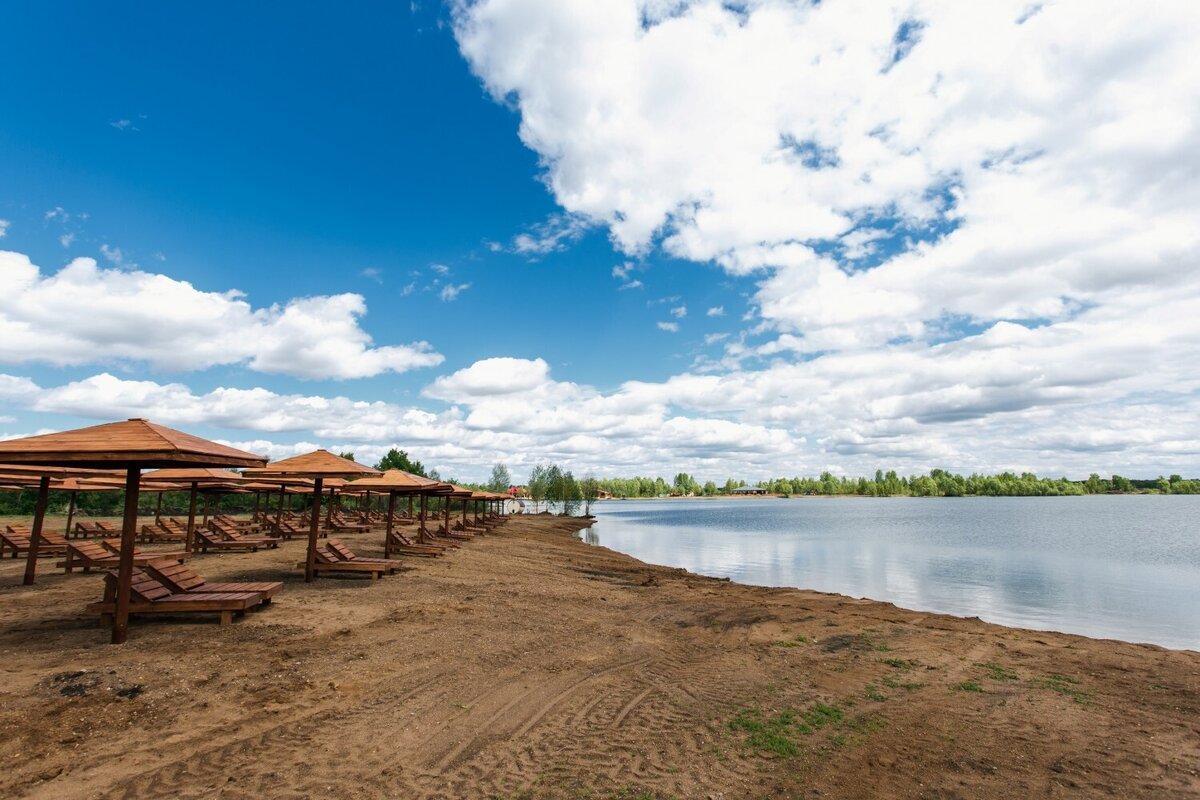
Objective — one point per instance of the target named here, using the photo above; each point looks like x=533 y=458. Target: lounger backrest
x=326 y=557
x=142 y=587
x=207 y=536
x=91 y=551
x=176 y=575
x=342 y=551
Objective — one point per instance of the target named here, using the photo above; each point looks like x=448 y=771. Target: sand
x=528 y=664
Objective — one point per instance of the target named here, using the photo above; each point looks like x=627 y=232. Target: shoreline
x=532 y=664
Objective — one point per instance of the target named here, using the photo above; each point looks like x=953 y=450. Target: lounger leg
x=226 y=617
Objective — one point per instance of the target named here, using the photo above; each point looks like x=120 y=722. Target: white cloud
x=679 y=312
x=450 y=291
x=114 y=256
x=57 y=214
x=630 y=285
x=491 y=376
x=551 y=236
x=669 y=327
x=716 y=311
x=987 y=224
x=85 y=314
x=4 y=226
x=66 y=239
x=441 y=269
x=124 y=125
x=372 y=274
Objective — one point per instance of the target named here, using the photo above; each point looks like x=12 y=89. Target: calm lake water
x=1121 y=567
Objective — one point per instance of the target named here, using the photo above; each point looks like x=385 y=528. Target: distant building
x=518 y=491
x=603 y=495
x=745 y=490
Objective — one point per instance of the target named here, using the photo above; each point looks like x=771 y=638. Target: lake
x=1113 y=566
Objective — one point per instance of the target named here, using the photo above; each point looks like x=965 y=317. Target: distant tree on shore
x=348 y=456
x=399 y=459
x=501 y=480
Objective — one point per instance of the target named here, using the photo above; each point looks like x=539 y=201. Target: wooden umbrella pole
x=120 y=630
x=70 y=515
x=410 y=506
x=158 y=508
x=465 y=504
x=310 y=562
x=279 y=509
x=387 y=540
x=189 y=542
x=421 y=524
x=35 y=537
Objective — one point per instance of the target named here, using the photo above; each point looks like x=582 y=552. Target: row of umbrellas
x=113 y=456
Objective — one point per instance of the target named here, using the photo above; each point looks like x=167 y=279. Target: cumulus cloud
x=716 y=311
x=957 y=215
x=679 y=312
x=86 y=314
x=4 y=226
x=669 y=327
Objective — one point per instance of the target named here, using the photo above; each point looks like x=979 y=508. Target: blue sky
x=391 y=151
x=285 y=155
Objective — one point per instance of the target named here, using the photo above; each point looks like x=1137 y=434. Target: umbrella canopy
x=133 y=445
x=400 y=482
x=319 y=465
x=134 y=442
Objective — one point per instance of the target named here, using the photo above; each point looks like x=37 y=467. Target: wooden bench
x=149 y=596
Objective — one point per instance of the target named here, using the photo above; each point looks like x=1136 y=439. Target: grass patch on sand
x=795 y=641
x=782 y=733
x=1065 y=685
x=968 y=686
x=997 y=672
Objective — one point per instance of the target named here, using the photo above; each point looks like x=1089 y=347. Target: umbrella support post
x=35 y=539
x=120 y=631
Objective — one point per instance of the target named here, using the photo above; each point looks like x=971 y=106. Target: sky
x=736 y=239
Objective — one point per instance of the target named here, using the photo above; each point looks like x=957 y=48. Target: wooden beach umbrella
x=132 y=445
x=318 y=465
x=196 y=478
x=23 y=476
x=398 y=482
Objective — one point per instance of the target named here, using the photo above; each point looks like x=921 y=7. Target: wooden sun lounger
x=18 y=543
x=328 y=562
x=345 y=554
x=89 y=555
x=234 y=535
x=180 y=579
x=342 y=525
x=148 y=596
x=159 y=532
x=403 y=546
x=209 y=540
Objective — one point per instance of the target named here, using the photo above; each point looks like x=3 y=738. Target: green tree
x=348 y=456
x=501 y=480
x=399 y=459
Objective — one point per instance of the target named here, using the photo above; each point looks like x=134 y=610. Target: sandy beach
x=527 y=664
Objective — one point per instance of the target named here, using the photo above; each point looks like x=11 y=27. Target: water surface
x=1124 y=567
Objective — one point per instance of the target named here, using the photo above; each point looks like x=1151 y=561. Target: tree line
x=937 y=483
